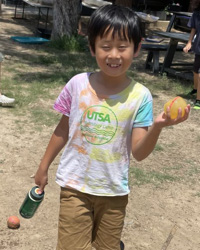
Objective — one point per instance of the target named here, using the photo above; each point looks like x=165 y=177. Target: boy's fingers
x=41 y=189
x=179 y=113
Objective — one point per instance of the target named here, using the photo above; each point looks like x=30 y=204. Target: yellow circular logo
x=98 y=124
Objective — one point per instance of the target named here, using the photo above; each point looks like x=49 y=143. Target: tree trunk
x=65 y=18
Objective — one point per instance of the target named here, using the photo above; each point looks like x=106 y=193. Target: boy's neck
x=106 y=85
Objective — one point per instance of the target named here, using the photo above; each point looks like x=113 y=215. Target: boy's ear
x=136 y=53
x=91 y=51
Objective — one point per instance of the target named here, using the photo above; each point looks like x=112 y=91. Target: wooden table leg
x=156 y=62
x=171 y=23
x=169 y=54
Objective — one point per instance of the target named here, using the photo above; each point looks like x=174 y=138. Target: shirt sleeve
x=144 y=117
x=191 y=22
x=64 y=100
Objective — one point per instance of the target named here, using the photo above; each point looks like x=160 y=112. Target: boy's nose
x=114 y=53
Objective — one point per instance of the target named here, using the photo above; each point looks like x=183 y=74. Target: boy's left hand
x=164 y=120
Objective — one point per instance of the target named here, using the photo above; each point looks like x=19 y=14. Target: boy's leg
x=75 y=221
x=109 y=213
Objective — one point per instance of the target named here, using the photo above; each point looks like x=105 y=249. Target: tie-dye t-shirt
x=97 y=155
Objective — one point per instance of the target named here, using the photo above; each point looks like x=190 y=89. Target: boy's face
x=114 y=55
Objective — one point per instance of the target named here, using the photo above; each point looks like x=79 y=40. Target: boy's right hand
x=164 y=120
x=41 y=179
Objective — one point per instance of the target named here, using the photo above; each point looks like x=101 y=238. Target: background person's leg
x=4 y=100
x=197 y=103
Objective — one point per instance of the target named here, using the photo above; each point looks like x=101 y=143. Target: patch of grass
x=2 y=161
x=45 y=117
x=164 y=83
x=197 y=194
x=73 y=43
x=142 y=177
x=37 y=79
x=194 y=171
x=197 y=138
x=175 y=167
x=158 y=148
x=47 y=60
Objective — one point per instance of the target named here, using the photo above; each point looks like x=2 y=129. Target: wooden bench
x=153 y=49
x=152 y=60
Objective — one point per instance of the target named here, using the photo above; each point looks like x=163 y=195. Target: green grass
x=158 y=148
x=194 y=171
x=197 y=194
x=70 y=44
x=140 y=177
x=175 y=86
x=45 y=117
x=36 y=79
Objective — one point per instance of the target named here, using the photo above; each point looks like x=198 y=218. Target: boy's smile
x=113 y=65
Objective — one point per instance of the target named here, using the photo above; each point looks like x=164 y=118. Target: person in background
x=194 y=24
x=79 y=21
x=4 y=100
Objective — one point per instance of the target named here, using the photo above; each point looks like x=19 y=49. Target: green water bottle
x=31 y=202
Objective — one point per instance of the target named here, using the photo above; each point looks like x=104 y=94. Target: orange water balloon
x=174 y=105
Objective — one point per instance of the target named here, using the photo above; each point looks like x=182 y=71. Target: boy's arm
x=189 y=43
x=56 y=143
x=145 y=139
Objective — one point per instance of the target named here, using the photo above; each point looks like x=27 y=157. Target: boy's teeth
x=114 y=65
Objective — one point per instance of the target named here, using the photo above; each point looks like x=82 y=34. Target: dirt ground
x=153 y=210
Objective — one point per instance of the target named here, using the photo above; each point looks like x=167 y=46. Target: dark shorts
x=196 y=67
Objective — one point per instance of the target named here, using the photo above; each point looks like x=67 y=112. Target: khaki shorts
x=86 y=220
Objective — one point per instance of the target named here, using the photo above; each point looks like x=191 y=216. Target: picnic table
x=176 y=43
x=89 y=6
x=177 y=15
x=175 y=38
x=40 y=7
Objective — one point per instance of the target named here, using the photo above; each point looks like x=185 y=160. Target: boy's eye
x=122 y=46
x=105 y=47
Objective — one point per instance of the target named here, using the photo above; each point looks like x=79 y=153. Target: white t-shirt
x=97 y=155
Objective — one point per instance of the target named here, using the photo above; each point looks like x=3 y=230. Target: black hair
x=121 y=20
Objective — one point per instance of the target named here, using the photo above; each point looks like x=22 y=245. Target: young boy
x=106 y=116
